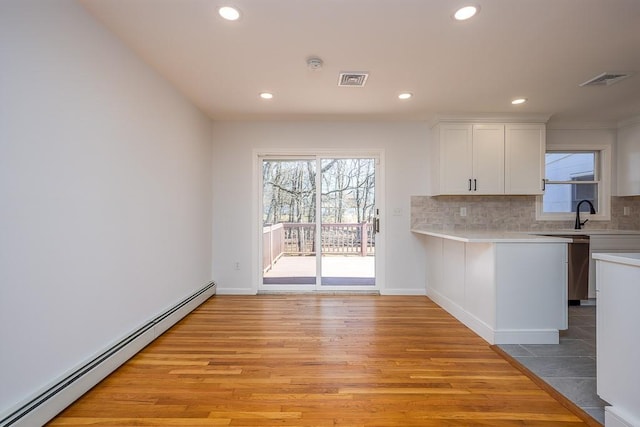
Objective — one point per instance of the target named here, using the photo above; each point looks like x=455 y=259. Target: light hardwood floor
x=318 y=360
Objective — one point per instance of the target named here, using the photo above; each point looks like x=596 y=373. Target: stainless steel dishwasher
x=578 y=269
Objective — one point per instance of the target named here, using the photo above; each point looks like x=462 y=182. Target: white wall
x=404 y=146
x=105 y=193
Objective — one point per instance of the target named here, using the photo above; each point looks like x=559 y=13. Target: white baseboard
x=245 y=291
x=237 y=291
x=614 y=417
x=52 y=406
x=50 y=401
x=403 y=292
x=527 y=336
x=468 y=319
x=489 y=334
x=173 y=317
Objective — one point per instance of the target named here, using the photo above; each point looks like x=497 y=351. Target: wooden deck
x=332 y=266
x=318 y=361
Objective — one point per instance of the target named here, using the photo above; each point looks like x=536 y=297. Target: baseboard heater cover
x=54 y=399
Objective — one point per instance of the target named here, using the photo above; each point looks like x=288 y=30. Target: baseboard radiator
x=54 y=399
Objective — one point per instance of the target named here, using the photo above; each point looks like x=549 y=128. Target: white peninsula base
x=509 y=288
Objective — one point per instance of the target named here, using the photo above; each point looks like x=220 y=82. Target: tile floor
x=569 y=367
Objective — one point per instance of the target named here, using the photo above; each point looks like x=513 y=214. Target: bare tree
x=348 y=190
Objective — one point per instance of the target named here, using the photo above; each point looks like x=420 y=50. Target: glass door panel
x=289 y=223
x=348 y=213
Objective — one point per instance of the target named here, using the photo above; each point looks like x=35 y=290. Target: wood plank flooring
x=318 y=360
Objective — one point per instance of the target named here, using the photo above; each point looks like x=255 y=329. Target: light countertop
x=632 y=259
x=533 y=236
x=587 y=232
x=490 y=236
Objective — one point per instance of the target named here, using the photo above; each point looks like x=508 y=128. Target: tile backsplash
x=512 y=213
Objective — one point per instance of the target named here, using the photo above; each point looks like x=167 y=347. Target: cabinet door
x=455 y=158
x=628 y=145
x=524 y=159
x=488 y=159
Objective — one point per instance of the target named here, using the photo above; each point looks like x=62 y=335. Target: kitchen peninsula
x=509 y=288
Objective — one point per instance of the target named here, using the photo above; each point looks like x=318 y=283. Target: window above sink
x=572 y=174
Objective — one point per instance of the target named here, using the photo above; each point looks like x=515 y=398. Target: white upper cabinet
x=524 y=150
x=457 y=154
x=487 y=174
x=628 y=148
x=487 y=159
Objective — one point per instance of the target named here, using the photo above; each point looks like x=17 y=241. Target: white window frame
x=604 y=185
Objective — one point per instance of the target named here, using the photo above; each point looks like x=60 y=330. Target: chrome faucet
x=592 y=211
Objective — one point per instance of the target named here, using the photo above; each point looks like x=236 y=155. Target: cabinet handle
x=475 y=184
x=544 y=184
x=469 y=184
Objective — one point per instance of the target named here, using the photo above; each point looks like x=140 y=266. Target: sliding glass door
x=318 y=223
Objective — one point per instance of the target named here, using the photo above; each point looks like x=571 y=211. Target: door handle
x=376 y=225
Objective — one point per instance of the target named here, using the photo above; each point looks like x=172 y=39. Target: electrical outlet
x=626 y=211
x=463 y=211
x=397 y=212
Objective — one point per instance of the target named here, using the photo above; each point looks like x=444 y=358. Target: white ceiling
x=539 y=49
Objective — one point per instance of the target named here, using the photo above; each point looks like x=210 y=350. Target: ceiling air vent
x=606 y=79
x=352 y=79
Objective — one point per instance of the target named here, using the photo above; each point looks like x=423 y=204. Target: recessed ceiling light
x=519 y=101
x=405 y=95
x=466 y=12
x=266 y=95
x=229 y=13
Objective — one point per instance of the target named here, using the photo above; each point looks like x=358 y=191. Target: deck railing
x=299 y=239
x=272 y=245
